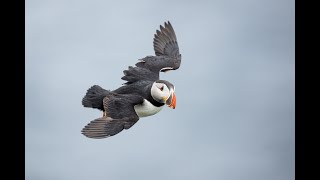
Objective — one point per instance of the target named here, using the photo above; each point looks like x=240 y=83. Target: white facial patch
x=159 y=91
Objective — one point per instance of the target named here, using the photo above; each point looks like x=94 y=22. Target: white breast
x=146 y=109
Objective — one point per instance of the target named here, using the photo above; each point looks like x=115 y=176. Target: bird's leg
x=104 y=114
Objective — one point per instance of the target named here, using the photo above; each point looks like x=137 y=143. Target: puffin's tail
x=94 y=97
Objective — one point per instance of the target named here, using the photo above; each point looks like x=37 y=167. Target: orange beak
x=171 y=102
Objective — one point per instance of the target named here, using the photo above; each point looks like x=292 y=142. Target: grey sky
x=234 y=118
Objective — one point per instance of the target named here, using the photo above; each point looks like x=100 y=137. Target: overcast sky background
x=234 y=118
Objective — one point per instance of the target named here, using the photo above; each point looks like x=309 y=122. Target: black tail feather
x=94 y=97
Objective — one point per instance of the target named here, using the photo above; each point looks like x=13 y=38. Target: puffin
x=143 y=94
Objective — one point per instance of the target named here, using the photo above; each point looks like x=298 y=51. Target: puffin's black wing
x=166 y=48
x=165 y=42
x=167 y=57
x=134 y=74
x=120 y=115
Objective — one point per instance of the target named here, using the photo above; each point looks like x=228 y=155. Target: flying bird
x=143 y=94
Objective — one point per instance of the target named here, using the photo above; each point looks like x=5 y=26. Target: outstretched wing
x=134 y=74
x=167 y=57
x=165 y=42
x=120 y=115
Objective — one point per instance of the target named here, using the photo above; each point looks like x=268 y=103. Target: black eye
x=161 y=88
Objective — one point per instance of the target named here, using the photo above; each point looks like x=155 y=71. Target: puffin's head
x=163 y=92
